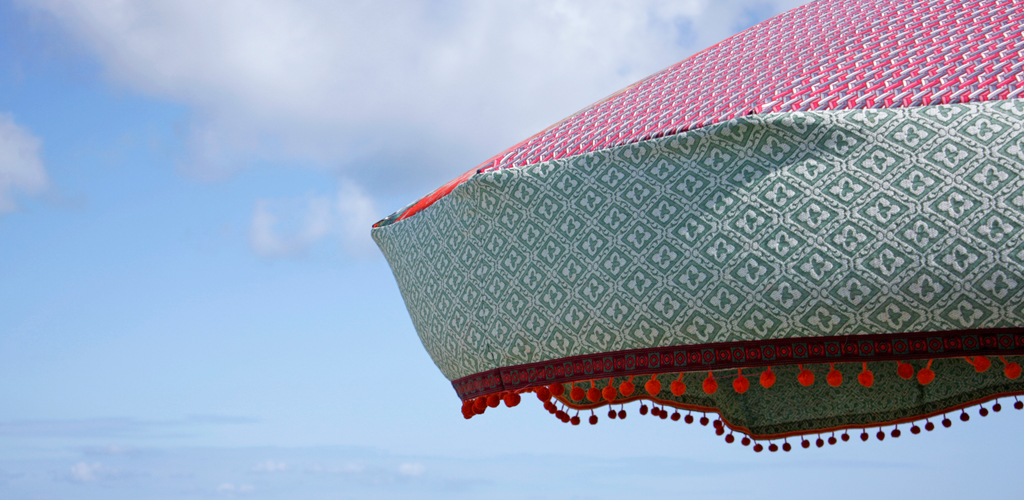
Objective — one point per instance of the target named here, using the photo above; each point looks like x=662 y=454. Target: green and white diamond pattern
x=785 y=225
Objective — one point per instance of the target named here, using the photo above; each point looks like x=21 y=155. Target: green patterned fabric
x=768 y=226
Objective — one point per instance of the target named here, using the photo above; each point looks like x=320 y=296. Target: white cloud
x=411 y=470
x=230 y=488
x=351 y=84
x=270 y=466
x=288 y=227
x=84 y=472
x=267 y=238
x=356 y=213
x=20 y=166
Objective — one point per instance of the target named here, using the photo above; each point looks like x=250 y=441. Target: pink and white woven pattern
x=840 y=54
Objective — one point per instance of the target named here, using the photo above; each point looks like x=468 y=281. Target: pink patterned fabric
x=841 y=54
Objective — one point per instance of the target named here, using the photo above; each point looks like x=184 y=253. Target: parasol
x=811 y=227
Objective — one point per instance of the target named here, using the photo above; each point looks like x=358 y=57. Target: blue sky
x=192 y=306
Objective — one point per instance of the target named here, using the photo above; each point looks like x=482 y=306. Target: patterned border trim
x=720 y=356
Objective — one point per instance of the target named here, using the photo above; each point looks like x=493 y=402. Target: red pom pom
x=905 y=370
x=622 y=414
x=643 y=409
x=493 y=400
x=805 y=444
x=767 y=378
x=543 y=393
x=688 y=419
x=556 y=389
x=611 y=414
x=741 y=384
x=819 y=443
x=834 y=377
x=626 y=388
x=577 y=393
x=981 y=363
x=593 y=420
x=729 y=439
x=926 y=376
x=609 y=393
x=880 y=436
x=678 y=388
x=575 y=420
x=710 y=385
x=512 y=399
x=866 y=377
x=773 y=447
x=806 y=377
x=594 y=395
x=653 y=386
x=745 y=441
x=1012 y=371
x=480 y=404
x=676 y=416
x=758 y=447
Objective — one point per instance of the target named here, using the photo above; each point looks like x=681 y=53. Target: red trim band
x=724 y=355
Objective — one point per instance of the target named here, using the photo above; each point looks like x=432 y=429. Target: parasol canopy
x=811 y=227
